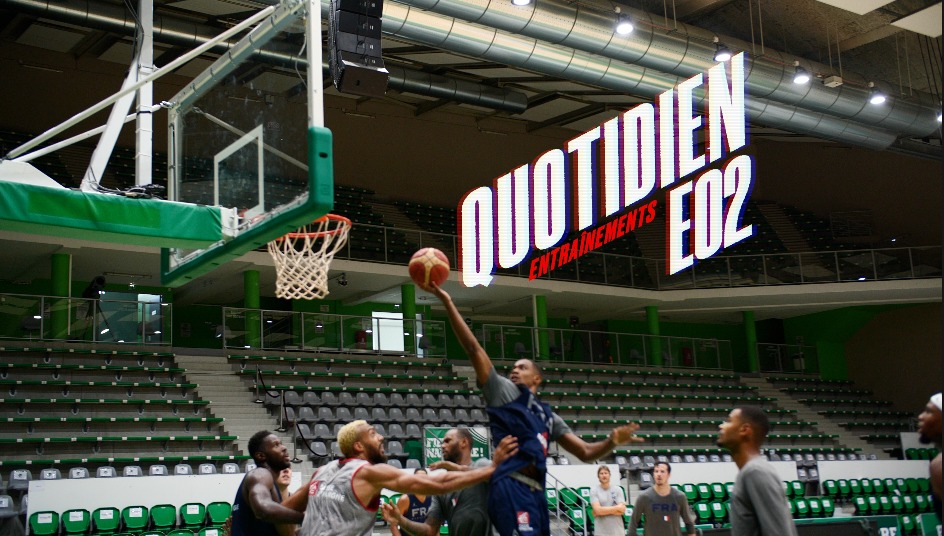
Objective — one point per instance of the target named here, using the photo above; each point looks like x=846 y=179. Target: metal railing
x=587 y=346
x=395 y=246
x=788 y=358
x=53 y=318
x=292 y=330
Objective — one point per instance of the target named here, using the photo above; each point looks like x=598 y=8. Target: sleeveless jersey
x=333 y=508
x=418 y=509
x=245 y=522
x=528 y=419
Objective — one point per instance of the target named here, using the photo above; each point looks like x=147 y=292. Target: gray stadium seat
x=380 y=399
x=689 y=458
x=364 y=399
x=132 y=470
x=292 y=398
x=19 y=480
x=395 y=448
x=430 y=416
x=429 y=401
x=183 y=469
x=475 y=401
x=361 y=414
x=230 y=468
x=7 y=507
x=714 y=458
x=413 y=463
x=550 y=461
x=50 y=474
x=379 y=415
x=249 y=466
x=445 y=401
x=343 y=414
x=395 y=431
x=329 y=399
x=395 y=463
x=302 y=431
x=662 y=458
x=290 y=417
x=413 y=431
x=78 y=472
x=413 y=400
x=157 y=470
x=311 y=399
x=460 y=401
x=413 y=415
x=326 y=415
x=322 y=432
x=206 y=469
x=306 y=414
x=336 y=450
x=396 y=415
x=622 y=462
x=446 y=418
x=397 y=401
x=106 y=472
x=675 y=458
x=648 y=462
x=346 y=399
x=462 y=416
x=645 y=480
x=726 y=457
x=478 y=416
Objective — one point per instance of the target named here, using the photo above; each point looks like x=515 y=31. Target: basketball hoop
x=302 y=258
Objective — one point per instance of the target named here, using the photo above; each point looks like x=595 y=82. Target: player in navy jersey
x=516 y=504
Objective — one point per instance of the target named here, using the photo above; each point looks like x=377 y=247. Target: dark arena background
x=130 y=390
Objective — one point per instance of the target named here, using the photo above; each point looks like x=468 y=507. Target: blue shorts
x=518 y=510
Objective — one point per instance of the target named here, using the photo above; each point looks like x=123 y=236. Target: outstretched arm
x=480 y=360
x=396 y=520
x=588 y=452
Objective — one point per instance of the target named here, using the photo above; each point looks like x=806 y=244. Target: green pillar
x=60 y=283
x=540 y=322
x=655 y=342
x=251 y=301
x=750 y=337
x=408 y=308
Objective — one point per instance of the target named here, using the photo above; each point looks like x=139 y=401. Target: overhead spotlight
x=722 y=52
x=939 y=115
x=520 y=2
x=800 y=75
x=875 y=95
x=624 y=23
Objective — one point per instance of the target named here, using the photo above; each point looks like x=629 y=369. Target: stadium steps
x=395 y=217
x=804 y=413
x=786 y=231
x=468 y=373
x=231 y=398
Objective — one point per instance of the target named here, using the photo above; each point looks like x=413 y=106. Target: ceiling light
x=520 y=2
x=800 y=75
x=624 y=24
x=875 y=95
x=722 y=52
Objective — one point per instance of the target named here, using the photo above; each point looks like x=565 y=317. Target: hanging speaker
x=355 y=56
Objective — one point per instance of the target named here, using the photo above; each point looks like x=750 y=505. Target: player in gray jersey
x=758 y=504
x=661 y=507
x=343 y=496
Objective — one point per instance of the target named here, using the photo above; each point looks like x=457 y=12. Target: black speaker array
x=355 y=57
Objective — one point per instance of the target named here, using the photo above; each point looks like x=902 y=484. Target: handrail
x=728 y=271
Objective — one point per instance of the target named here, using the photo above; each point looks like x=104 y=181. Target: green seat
x=218 y=513
x=843 y=488
x=180 y=532
x=907 y=504
x=149 y=533
x=861 y=506
x=106 y=520
x=163 y=517
x=550 y=495
x=570 y=497
x=912 y=454
x=898 y=506
x=890 y=485
x=901 y=485
x=866 y=485
x=729 y=487
x=215 y=531
x=690 y=492
x=924 y=485
x=578 y=521
x=921 y=504
x=913 y=486
x=878 y=486
x=828 y=507
x=884 y=504
x=830 y=489
x=855 y=487
x=718 y=491
x=585 y=495
x=192 y=515
x=816 y=507
x=802 y=508
x=718 y=512
x=703 y=513
x=907 y=524
x=134 y=518
x=798 y=489
x=704 y=492
x=44 y=523
x=76 y=521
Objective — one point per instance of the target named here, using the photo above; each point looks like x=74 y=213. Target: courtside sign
x=600 y=182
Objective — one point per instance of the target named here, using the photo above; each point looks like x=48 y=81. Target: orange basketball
x=429 y=265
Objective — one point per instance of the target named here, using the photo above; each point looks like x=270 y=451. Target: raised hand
x=626 y=434
x=391 y=513
x=506 y=448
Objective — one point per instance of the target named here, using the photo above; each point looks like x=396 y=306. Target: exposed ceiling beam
x=868 y=37
x=688 y=9
x=569 y=117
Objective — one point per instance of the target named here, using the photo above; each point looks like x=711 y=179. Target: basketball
x=429 y=265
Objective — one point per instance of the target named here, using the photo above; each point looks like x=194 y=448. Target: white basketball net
x=302 y=259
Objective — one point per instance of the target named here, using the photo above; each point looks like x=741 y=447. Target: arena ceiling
x=882 y=44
